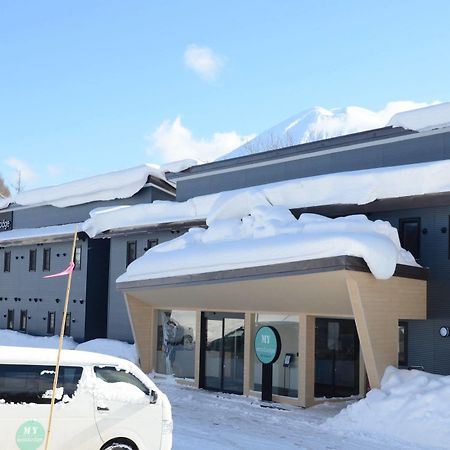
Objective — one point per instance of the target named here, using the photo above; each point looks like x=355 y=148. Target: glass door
x=337 y=358
x=222 y=356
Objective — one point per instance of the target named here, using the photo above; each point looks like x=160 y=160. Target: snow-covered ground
x=217 y=421
x=409 y=411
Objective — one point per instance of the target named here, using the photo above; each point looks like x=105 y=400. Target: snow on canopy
x=423 y=119
x=320 y=123
x=272 y=235
x=109 y=186
x=410 y=405
x=356 y=187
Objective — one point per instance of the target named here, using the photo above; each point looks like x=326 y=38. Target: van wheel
x=119 y=444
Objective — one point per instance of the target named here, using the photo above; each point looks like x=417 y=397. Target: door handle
x=100 y=408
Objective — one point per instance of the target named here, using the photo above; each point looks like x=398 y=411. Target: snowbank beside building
x=410 y=405
x=272 y=235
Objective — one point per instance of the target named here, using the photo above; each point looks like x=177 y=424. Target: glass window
x=51 y=322
x=77 y=258
x=131 y=252
x=285 y=369
x=23 y=320
x=176 y=342
x=34 y=384
x=409 y=234
x=7 y=261
x=46 y=260
x=151 y=243
x=32 y=261
x=403 y=344
x=115 y=375
x=68 y=323
x=10 y=320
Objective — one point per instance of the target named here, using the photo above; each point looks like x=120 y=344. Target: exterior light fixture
x=444 y=331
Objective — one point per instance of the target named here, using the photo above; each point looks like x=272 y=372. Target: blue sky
x=93 y=86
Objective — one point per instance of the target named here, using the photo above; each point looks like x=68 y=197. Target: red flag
x=64 y=272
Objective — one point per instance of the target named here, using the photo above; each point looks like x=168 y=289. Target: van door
x=26 y=391
x=126 y=407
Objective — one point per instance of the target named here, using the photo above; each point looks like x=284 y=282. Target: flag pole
x=61 y=339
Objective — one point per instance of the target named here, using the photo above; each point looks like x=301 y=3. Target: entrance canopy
x=327 y=287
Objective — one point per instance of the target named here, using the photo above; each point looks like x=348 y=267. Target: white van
x=103 y=403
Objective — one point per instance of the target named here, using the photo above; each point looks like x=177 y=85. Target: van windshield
x=34 y=383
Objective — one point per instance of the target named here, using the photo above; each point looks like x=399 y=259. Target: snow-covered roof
x=423 y=119
x=41 y=234
x=47 y=355
x=109 y=186
x=272 y=235
x=357 y=187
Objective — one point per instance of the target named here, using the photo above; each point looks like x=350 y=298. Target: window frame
x=401 y=233
x=51 y=322
x=404 y=361
x=130 y=257
x=151 y=243
x=117 y=370
x=68 y=324
x=23 y=321
x=77 y=257
x=46 y=261
x=10 y=315
x=32 y=261
x=7 y=261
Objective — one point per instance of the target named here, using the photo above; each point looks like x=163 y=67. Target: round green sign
x=30 y=435
x=267 y=345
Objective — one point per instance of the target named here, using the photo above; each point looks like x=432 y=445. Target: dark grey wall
x=420 y=149
x=118 y=324
x=425 y=347
x=50 y=215
x=38 y=295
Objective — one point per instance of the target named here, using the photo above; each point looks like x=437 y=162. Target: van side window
x=114 y=375
x=21 y=383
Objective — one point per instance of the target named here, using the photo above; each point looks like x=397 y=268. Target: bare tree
x=270 y=142
x=4 y=191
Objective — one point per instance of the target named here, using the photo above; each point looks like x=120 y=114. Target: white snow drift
x=109 y=186
x=411 y=405
x=272 y=235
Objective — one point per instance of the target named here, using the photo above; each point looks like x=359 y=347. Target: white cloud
x=203 y=61
x=53 y=170
x=20 y=169
x=172 y=141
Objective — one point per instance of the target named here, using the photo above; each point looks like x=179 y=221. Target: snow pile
x=103 y=219
x=356 y=187
x=429 y=118
x=272 y=235
x=40 y=234
x=119 y=349
x=119 y=184
x=320 y=123
x=410 y=405
x=179 y=166
x=111 y=347
x=12 y=338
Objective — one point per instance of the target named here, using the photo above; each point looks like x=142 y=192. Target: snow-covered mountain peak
x=320 y=123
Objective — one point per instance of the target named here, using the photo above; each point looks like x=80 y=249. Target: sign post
x=267 y=349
